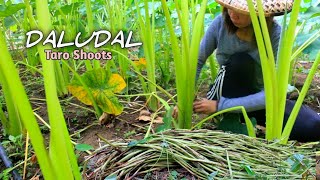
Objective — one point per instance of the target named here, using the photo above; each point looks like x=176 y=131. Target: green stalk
x=3 y=118
x=90 y=16
x=13 y=125
x=283 y=70
x=277 y=87
x=266 y=70
x=277 y=124
x=21 y=100
x=30 y=23
x=60 y=83
x=297 y=106
x=61 y=151
x=116 y=12
x=177 y=59
x=185 y=60
x=147 y=34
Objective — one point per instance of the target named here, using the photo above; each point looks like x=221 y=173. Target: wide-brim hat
x=270 y=7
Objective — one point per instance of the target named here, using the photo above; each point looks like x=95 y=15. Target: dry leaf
x=157 y=120
x=35 y=177
x=144 y=118
x=33 y=159
x=144 y=113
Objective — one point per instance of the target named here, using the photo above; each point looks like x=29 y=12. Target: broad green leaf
x=83 y=147
x=108 y=102
x=102 y=86
x=6 y=11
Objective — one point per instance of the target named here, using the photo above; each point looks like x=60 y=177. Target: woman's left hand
x=205 y=106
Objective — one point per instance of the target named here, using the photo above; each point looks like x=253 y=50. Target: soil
x=124 y=127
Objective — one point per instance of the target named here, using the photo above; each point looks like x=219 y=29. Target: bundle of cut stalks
x=205 y=154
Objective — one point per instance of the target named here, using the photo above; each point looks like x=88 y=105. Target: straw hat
x=271 y=7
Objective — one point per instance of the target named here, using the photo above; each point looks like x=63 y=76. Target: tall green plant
x=276 y=79
x=10 y=74
x=90 y=16
x=61 y=152
x=61 y=85
x=185 y=60
x=13 y=124
x=116 y=11
x=147 y=32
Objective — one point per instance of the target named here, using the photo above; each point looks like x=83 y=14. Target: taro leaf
x=167 y=119
x=102 y=86
x=113 y=177
x=248 y=170
x=312 y=49
x=9 y=10
x=9 y=21
x=83 y=147
x=231 y=122
x=212 y=175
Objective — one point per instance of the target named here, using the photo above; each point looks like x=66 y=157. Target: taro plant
x=185 y=60
x=116 y=12
x=276 y=77
x=60 y=83
x=13 y=124
x=90 y=16
x=147 y=32
x=97 y=87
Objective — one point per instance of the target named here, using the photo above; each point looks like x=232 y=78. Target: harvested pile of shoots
x=204 y=154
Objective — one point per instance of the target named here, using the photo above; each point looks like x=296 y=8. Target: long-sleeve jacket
x=217 y=38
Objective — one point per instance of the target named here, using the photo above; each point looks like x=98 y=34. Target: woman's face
x=238 y=19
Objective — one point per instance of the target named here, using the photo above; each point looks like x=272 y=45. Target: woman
x=239 y=81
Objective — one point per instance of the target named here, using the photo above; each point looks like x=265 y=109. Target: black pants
x=240 y=80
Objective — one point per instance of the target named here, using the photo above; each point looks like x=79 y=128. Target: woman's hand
x=205 y=106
